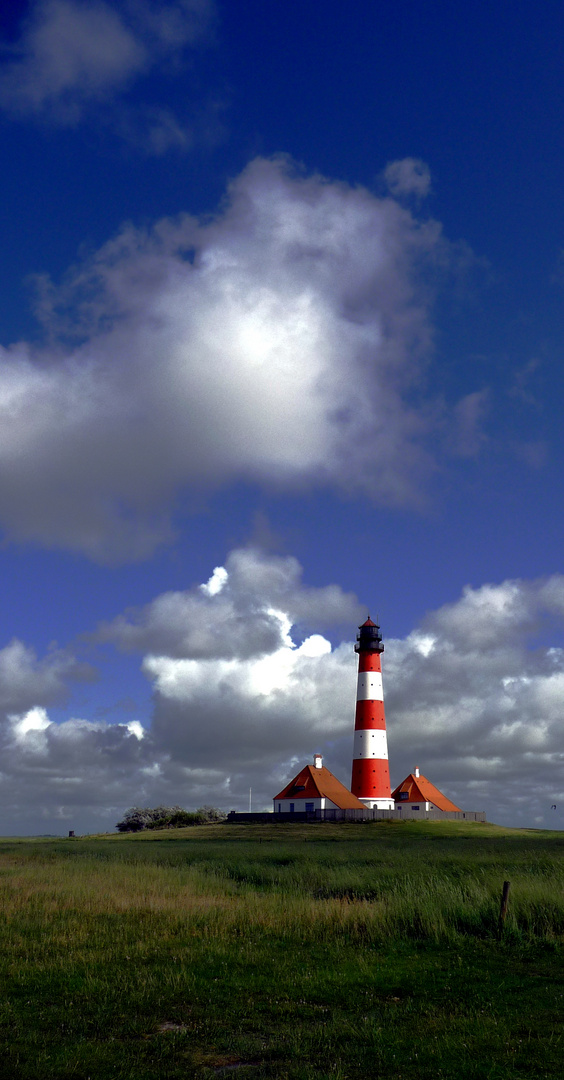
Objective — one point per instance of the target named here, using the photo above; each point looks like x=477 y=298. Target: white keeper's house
x=417 y=793
x=315 y=788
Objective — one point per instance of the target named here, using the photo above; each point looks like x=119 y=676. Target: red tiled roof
x=312 y=783
x=419 y=789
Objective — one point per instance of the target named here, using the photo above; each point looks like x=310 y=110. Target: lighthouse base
x=378 y=804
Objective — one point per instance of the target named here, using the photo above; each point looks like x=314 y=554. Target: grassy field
x=299 y=952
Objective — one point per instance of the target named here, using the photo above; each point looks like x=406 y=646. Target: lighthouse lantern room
x=370 y=772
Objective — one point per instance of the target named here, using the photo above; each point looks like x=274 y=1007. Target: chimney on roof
x=318 y=761
x=417 y=772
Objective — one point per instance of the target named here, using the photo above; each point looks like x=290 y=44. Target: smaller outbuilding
x=417 y=793
x=315 y=788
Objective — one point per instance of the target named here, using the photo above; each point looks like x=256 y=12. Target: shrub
x=211 y=813
x=171 y=817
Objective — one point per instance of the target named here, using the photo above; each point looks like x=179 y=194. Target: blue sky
x=280 y=293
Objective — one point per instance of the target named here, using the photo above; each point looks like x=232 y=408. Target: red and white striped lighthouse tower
x=370 y=772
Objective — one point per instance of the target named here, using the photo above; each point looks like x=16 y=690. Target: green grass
x=298 y=952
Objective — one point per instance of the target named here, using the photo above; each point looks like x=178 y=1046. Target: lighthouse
x=370 y=772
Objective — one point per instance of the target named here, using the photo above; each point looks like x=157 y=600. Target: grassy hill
x=284 y=951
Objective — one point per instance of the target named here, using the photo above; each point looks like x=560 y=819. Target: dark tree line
x=167 y=817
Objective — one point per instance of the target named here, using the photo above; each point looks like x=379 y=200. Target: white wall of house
x=379 y=804
x=299 y=806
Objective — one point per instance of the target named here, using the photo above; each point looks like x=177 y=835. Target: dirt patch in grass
x=222 y=1064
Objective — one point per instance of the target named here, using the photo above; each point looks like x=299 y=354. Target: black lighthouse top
x=369 y=639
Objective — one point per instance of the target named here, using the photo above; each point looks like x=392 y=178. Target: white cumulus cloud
x=246 y=609
x=74 y=55
x=26 y=680
x=281 y=342
x=408 y=176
